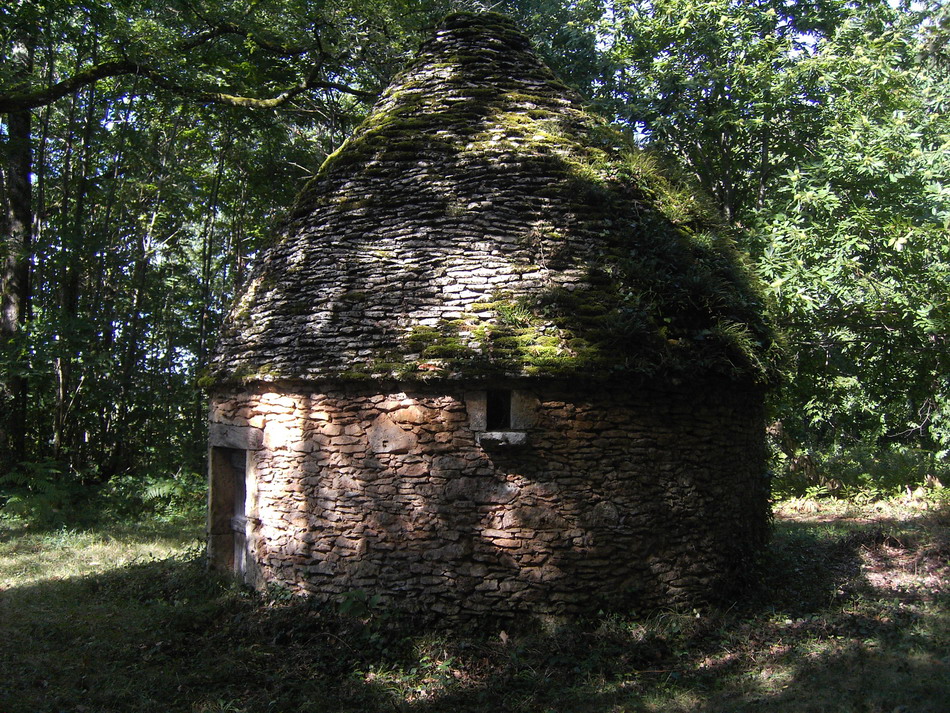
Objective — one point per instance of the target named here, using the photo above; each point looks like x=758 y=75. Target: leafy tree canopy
x=147 y=150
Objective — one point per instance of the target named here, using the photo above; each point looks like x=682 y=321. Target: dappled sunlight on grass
x=901 y=508
x=851 y=615
x=28 y=557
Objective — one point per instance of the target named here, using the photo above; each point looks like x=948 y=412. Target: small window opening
x=498 y=410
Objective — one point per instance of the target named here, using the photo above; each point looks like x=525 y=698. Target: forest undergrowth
x=851 y=615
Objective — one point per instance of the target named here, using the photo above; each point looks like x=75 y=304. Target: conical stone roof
x=481 y=223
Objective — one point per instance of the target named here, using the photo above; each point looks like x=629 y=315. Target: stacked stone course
x=612 y=500
x=480 y=180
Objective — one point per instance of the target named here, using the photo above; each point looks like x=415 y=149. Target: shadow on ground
x=820 y=633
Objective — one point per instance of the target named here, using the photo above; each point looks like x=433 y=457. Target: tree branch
x=24 y=100
x=222 y=28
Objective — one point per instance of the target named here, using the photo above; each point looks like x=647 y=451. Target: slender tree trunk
x=66 y=392
x=130 y=347
x=207 y=261
x=129 y=355
x=237 y=241
x=61 y=361
x=102 y=304
x=207 y=256
x=765 y=155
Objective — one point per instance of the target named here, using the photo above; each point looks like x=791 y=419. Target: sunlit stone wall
x=623 y=497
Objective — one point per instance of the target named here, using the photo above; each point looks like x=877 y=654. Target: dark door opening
x=227 y=515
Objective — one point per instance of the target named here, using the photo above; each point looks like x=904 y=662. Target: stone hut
x=496 y=362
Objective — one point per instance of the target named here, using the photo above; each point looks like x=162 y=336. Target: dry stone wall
x=624 y=497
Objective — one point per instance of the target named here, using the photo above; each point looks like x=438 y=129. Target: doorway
x=227 y=510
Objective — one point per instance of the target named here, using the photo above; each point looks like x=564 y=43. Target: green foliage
x=358 y=604
x=42 y=495
x=37 y=493
x=820 y=129
x=857 y=256
x=708 y=82
x=158 y=496
x=867 y=473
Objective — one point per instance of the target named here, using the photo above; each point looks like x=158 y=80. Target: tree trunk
x=130 y=347
x=72 y=281
x=16 y=222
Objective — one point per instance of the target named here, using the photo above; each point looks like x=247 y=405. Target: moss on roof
x=482 y=222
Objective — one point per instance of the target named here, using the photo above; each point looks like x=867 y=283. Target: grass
x=29 y=557
x=851 y=615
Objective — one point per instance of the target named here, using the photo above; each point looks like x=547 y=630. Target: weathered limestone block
x=225 y=435
x=387 y=437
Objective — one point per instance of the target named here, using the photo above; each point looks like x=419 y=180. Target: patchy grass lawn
x=852 y=615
